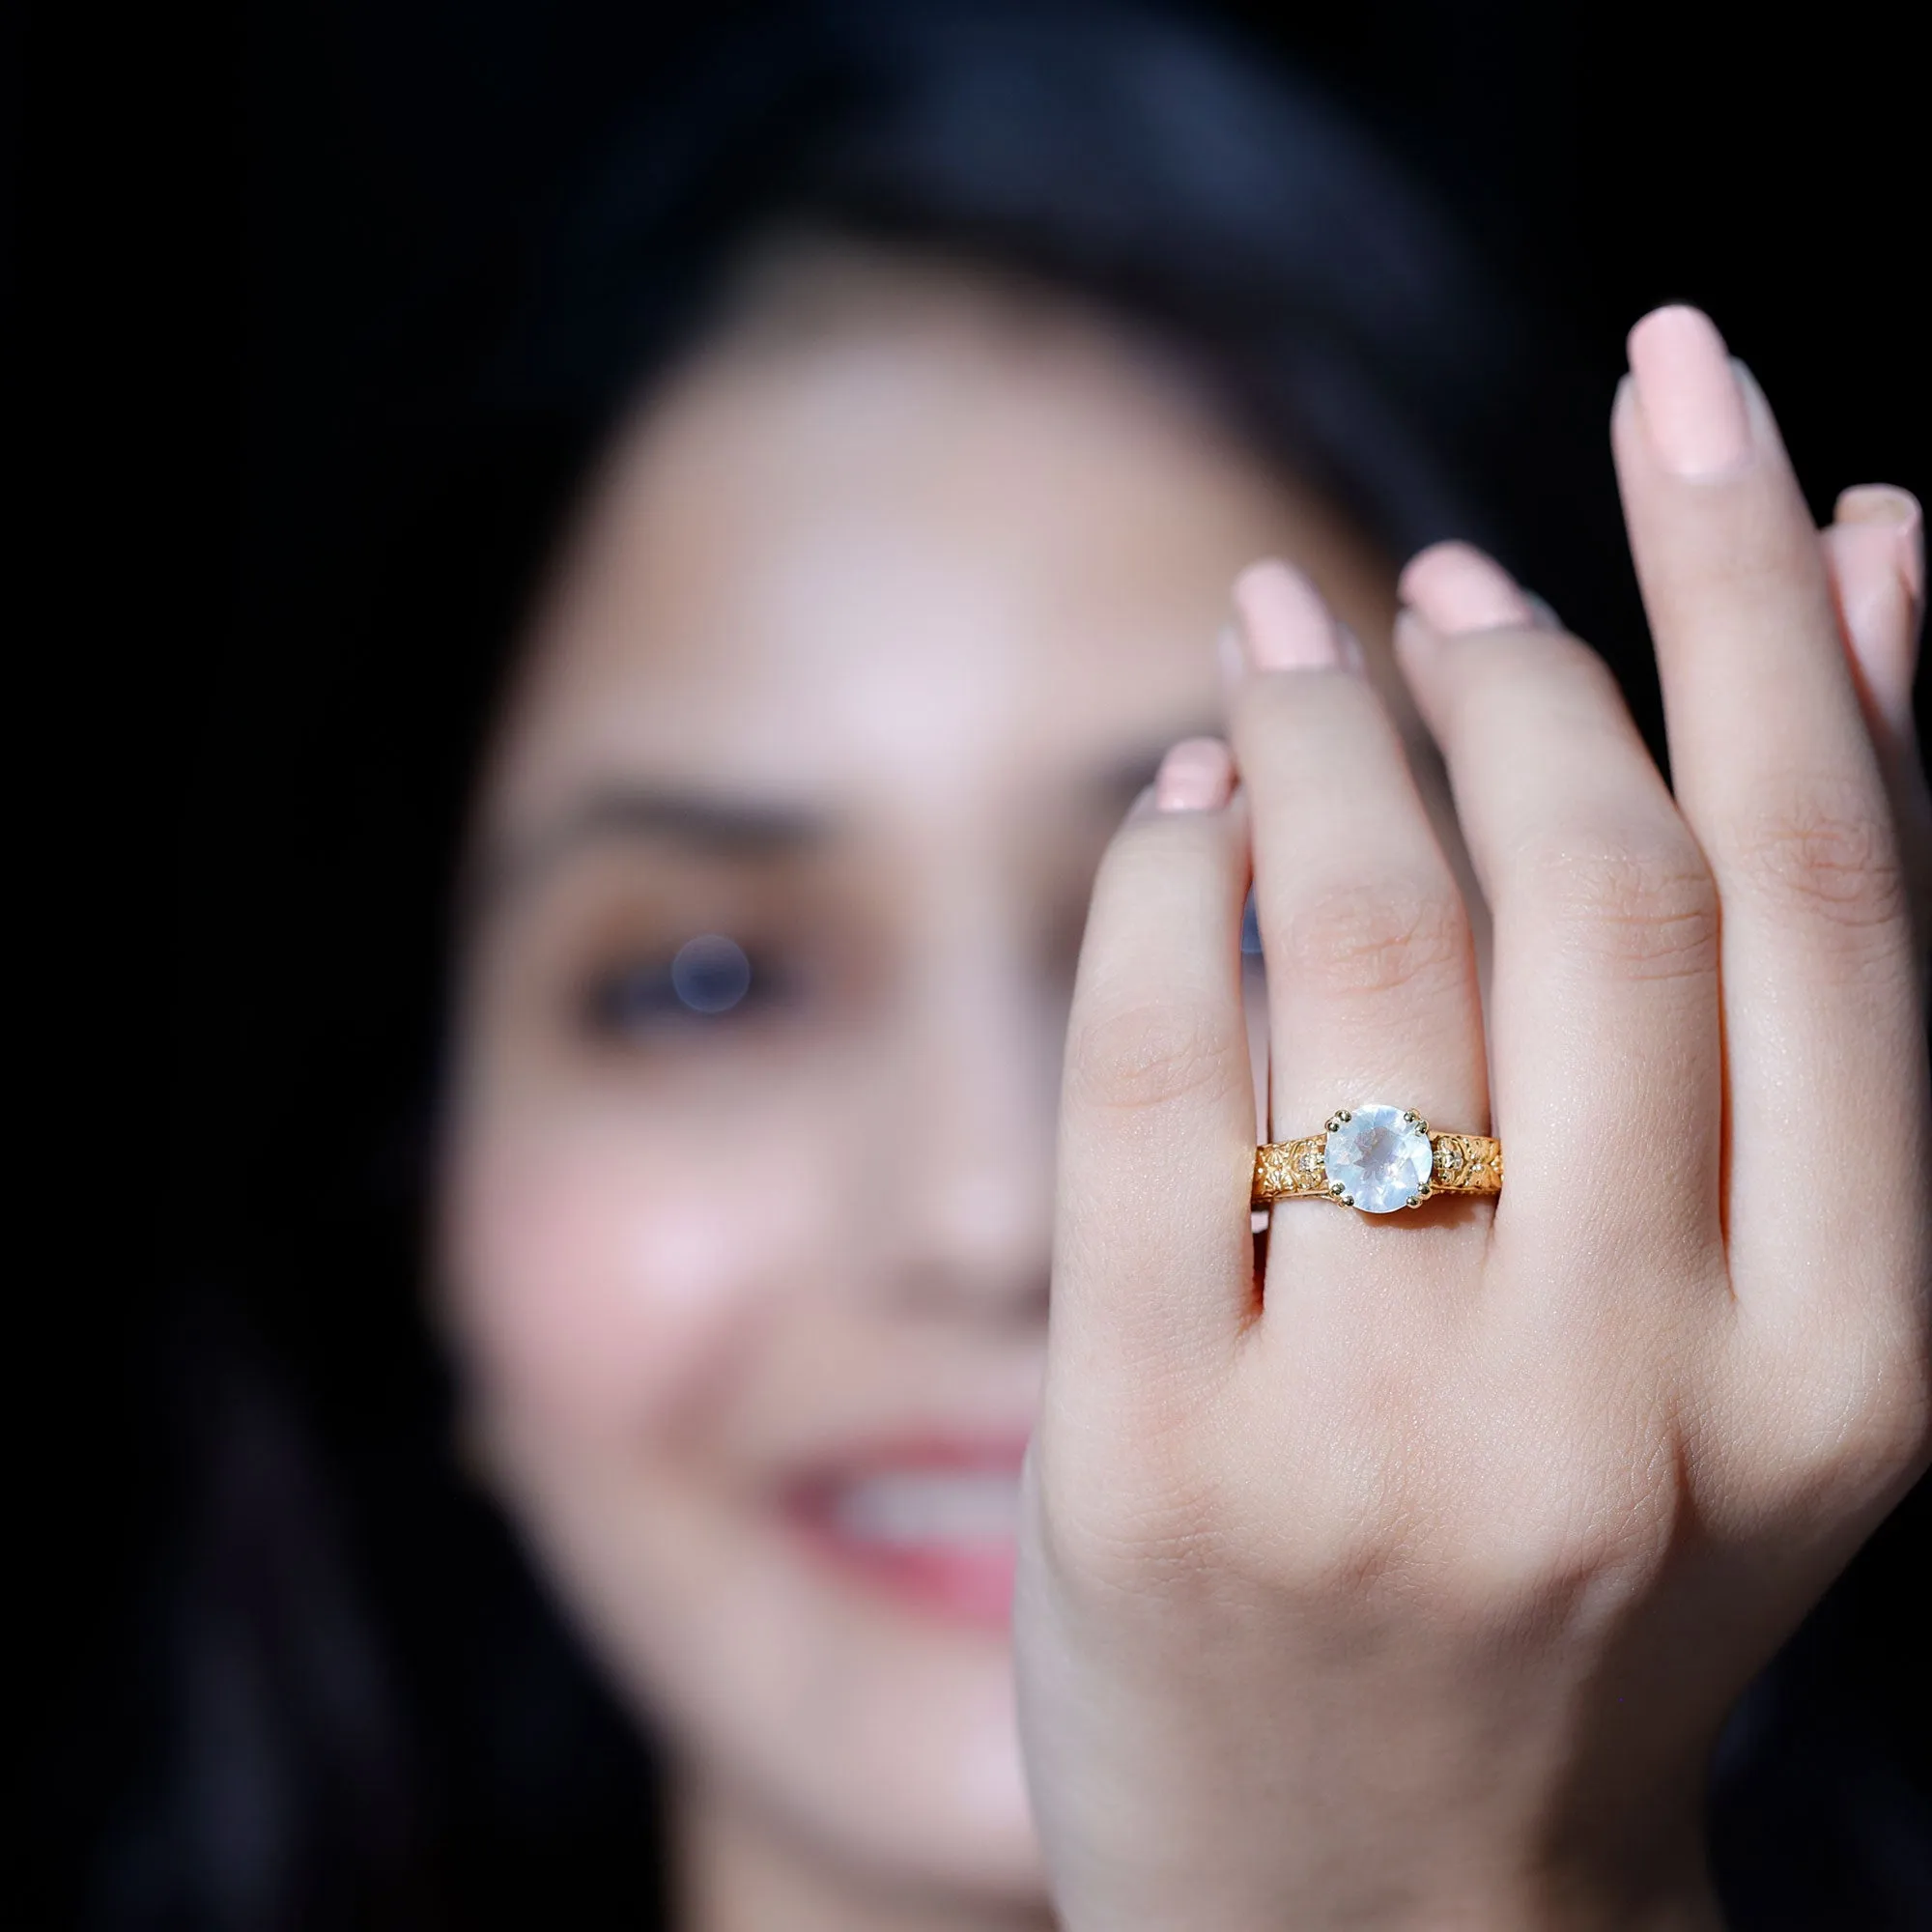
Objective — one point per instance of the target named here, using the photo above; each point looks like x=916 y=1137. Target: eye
x=711 y=973
x=706 y=977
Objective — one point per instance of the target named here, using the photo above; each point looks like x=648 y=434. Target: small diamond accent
x=1382 y=1156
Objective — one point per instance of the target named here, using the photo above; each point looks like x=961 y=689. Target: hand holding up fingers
x=1409 y=1580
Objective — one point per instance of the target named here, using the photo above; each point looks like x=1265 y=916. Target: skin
x=879 y=613
x=1492 y=1509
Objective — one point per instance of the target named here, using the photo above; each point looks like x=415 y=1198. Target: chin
x=883 y=1728
x=860 y=1706
x=925 y=1781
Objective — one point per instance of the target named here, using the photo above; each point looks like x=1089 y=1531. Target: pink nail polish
x=1284 y=623
x=1688 y=392
x=1196 y=774
x=1456 y=588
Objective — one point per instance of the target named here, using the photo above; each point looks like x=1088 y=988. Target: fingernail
x=1196 y=774
x=1282 y=622
x=1456 y=588
x=1883 y=503
x=1688 y=392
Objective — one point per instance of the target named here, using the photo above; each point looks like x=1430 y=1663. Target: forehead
x=935 y=544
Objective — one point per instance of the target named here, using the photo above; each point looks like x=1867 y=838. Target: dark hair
x=341 y=1698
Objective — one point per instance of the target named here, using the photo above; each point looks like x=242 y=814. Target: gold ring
x=1377 y=1159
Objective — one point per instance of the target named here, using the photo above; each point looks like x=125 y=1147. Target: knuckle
x=1137 y=1526
x=1537 y=1586
x=1590 y=1545
x=1823 y=855
x=1647 y=906
x=1875 y=1428
x=1140 y=1054
x=1344 y=1563
x=1376 y=938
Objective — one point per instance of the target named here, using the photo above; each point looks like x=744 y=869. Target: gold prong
x=1410 y=1114
x=1346 y=1200
x=1335 y=1188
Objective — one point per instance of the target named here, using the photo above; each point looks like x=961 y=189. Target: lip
x=925 y=1524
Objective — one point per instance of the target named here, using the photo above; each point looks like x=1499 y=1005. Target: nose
x=973 y=1092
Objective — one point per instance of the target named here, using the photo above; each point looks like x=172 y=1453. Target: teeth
x=967 y=1506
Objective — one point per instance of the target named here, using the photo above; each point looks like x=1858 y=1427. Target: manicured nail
x=1885 y=504
x=1196 y=774
x=1282 y=622
x=1688 y=391
x=1456 y=588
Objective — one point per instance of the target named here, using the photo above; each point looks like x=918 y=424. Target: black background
x=1767 y=164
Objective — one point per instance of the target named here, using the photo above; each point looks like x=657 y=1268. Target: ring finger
x=1371 y=967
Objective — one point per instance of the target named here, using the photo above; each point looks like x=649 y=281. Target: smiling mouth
x=938 y=1537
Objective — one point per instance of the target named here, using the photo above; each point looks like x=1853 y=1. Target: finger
x=1371 y=969
x=1603 y=1006
x=1777 y=777
x=1153 y=1261
x=1875 y=552
x=1875 y=556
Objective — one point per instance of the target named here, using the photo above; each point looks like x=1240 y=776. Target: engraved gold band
x=1458 y=1164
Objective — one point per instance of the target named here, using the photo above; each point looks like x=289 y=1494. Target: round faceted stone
x=1381 y=1160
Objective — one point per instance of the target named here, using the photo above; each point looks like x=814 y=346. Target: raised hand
x=1407 y=1581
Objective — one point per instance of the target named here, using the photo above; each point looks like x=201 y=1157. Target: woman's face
x=874 y=623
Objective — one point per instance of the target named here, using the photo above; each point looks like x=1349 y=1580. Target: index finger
x=1774 y=770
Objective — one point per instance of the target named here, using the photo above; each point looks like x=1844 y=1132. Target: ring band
x=1376 y=1159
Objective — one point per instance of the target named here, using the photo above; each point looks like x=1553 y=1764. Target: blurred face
x=875 y=621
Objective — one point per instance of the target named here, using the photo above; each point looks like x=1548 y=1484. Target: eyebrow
x=736 y=828
x=710 y=824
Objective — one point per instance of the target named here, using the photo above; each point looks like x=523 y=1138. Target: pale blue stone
x=1381 y=1160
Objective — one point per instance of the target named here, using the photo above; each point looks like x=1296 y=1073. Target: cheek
x=599 y=1281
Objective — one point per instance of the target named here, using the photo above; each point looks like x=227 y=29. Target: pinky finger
x=1875 y=554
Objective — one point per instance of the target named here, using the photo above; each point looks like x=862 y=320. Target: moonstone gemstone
x=1381 y=1160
